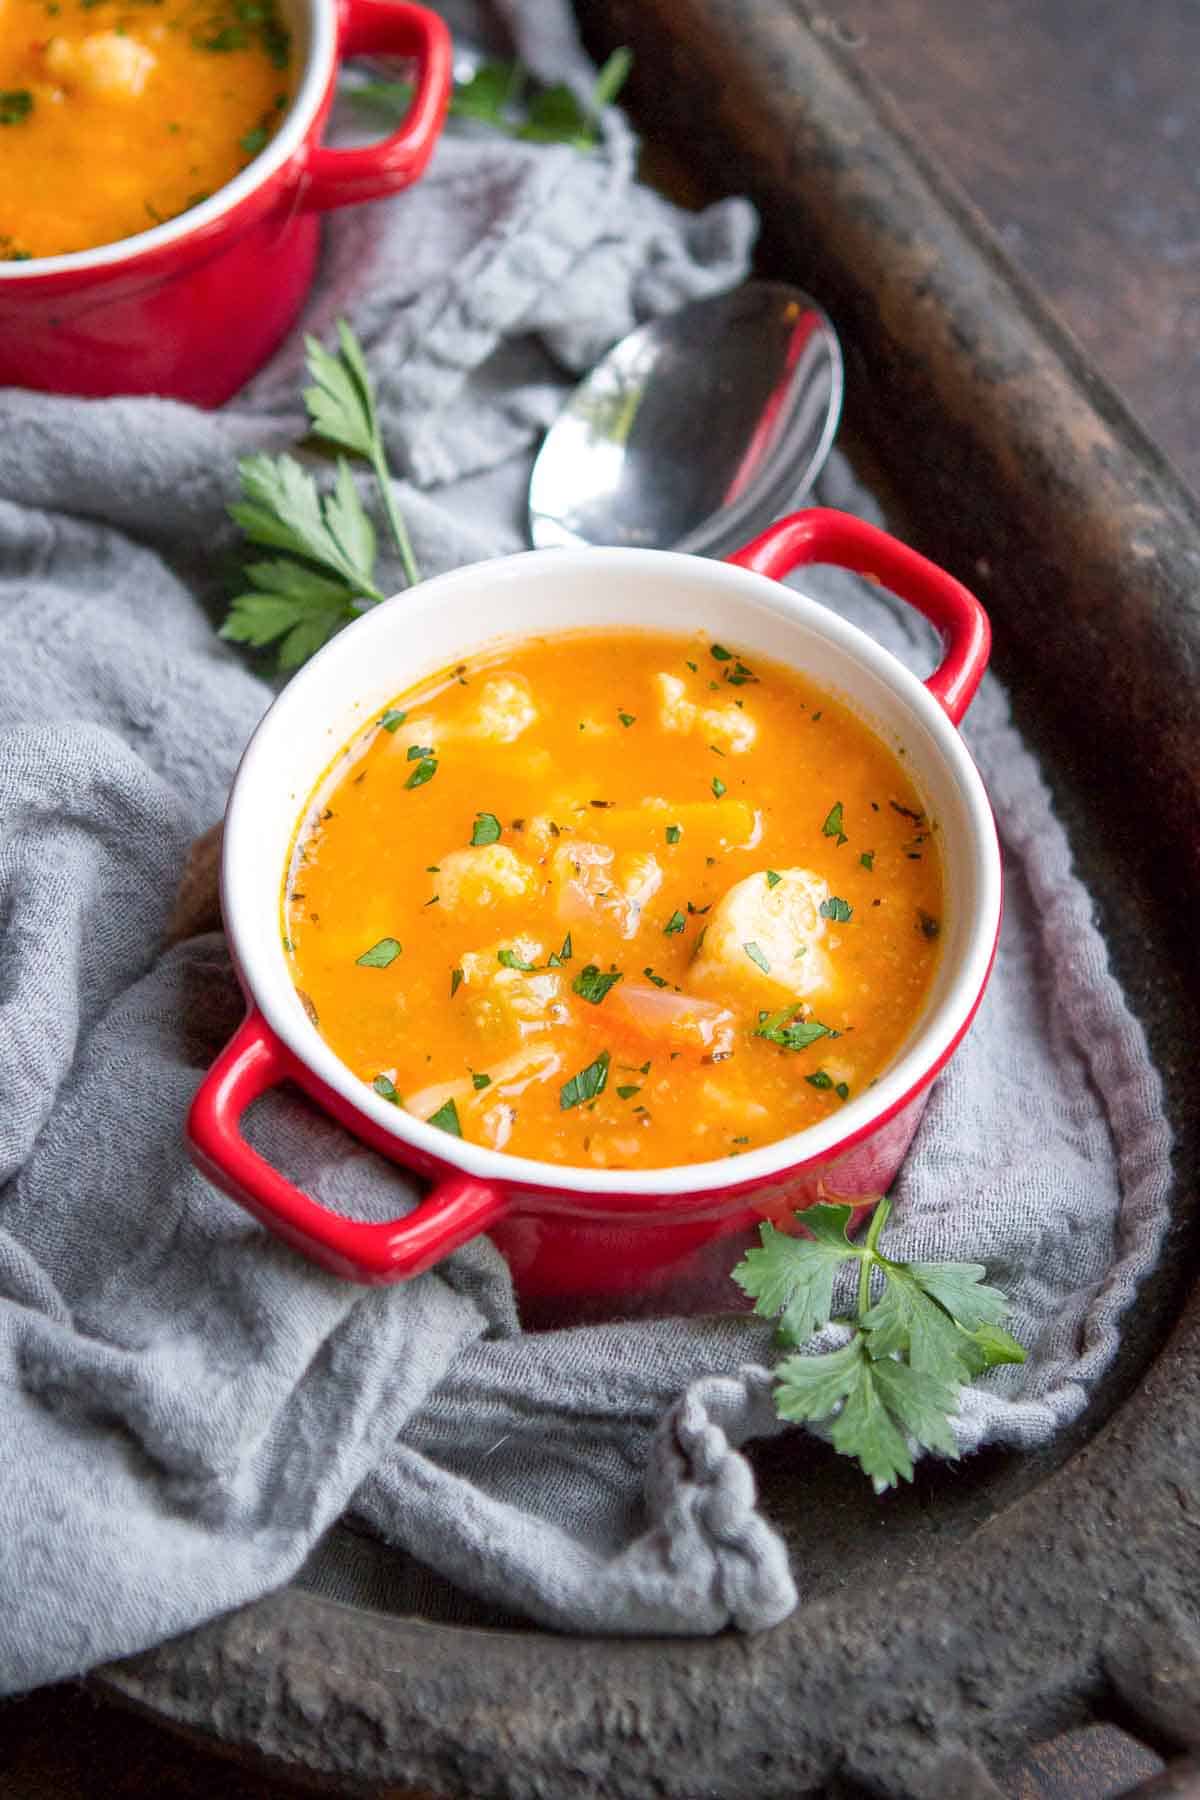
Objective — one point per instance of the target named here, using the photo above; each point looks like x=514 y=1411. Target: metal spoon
x=696 y=430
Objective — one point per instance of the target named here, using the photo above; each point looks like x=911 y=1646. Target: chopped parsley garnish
x=739 y=675
x=510 y=960
x=698 y=912
x=674 y=833
x=674 y=924
x=425 y=771
x=456 y=980
x=789 y=1032
x=446 y=1119
x=718 y=787
x=416 y=751
x=837 y=909
x=587 y=1085
x=380 y=955
x=557 y=958
x=867 y=859
x=479 y=1082
x=627 y=1092
x=658 y=980
x=833 y=824
x=756 y=956
x=386 y=1089
x=906 y=812
x=927 y=925
x=591 y=984
x=486 y=829
x=720 y=652
x=627 y=719
x=841 y=1090
x=773 y=878
x=16 y=104
x=819 y=1079
x=255 y=140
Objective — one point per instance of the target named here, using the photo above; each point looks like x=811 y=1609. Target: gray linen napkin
x=185 y=1405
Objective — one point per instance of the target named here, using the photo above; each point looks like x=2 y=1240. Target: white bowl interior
x=454 y=616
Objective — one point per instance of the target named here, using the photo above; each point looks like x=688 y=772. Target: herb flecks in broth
x=160 y=105
x=576 y=903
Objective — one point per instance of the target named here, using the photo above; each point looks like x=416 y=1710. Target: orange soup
x=118 y=114
x=618 y=900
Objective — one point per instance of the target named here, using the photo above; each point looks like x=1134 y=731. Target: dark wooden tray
x=1014 y=1596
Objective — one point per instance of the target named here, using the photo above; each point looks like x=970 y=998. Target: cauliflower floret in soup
x=106 y=63
x=767 y=937
x=484 y=875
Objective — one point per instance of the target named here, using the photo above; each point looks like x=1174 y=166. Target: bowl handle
x=457 y=1208
x=386 y=28
x=821 y=535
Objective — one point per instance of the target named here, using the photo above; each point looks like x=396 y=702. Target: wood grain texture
x=1072 y=125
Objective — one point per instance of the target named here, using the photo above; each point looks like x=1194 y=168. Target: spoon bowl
x=696 y=430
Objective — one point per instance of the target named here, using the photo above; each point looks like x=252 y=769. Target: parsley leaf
x=557 y=958
x=456 y=979
x=341 y=405
x=674 y=924
x=295 y=603
x=674 y=833
x=510 y=960
x=789 y=1032
x=392 y=719
x=627 y=719
x=756 y=956
x=833 y=824
x=486 y=829
x=589 y=1083
x=627 y=1092
x=867 y=859
x=494 y=95
x=380 y=955
x=660 y=981
x=16 y=104
x=773 y=878
x=591 y=985
x=897 y=1380
x=425 y=771
x=718 y=787
x=386 y=1089
x=836 y=909
x=446 y=1119
x=720 y=652
x=480 y=1081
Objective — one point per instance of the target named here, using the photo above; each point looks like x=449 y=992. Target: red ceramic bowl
x=574 y=1234
x=192 y=308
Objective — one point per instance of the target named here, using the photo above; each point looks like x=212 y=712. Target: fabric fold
x=187 y=1406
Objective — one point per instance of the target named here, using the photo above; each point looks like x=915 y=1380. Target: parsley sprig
x=498 y=94
x=328 y=574
x=920 y=1331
